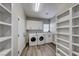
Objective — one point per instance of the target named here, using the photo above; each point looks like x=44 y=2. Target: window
x=45 y=27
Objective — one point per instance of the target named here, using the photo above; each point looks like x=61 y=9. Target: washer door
x=33 y=39
x=41 y=38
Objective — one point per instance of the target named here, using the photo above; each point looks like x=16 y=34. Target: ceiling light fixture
x=37 y=7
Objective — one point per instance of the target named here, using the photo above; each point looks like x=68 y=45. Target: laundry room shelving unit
x=75 y=30
x=5 y=29
x=67 y=39
x=63 y=33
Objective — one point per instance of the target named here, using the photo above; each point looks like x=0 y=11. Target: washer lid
x=33 y=39
x=41 y=38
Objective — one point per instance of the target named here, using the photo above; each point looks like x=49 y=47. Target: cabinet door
x=34 y=25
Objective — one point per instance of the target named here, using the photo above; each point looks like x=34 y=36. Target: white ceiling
x=46 y=10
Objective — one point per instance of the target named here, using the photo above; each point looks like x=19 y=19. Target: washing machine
x=41 y=38
x=48 y=37
x=32 y=39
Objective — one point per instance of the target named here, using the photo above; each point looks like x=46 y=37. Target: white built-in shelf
x=3 y=23
x=63 y=40
x=62 y=52
x=7 y=5
x=4 y=38
x=5 y=29
x=75 y=35
x=5 y=52
x=63 y=27
x=75 y=53
x=64 y=15
x=76 y=44
x=75 y=26
x=75 y=17
x=75 y=11
x=5 y=8
x=75 y=21
x=63 y=46
x=64 y=33
x=63 y=21
x=68 y=25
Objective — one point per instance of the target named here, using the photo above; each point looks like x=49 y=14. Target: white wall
x=53 y=25
x=17 y=11
x=53 y=28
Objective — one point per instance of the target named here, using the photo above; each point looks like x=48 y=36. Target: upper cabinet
x=34 y=25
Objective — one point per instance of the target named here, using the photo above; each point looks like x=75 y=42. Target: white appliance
x=41 y=38
x=32 y=39
x=48 y=37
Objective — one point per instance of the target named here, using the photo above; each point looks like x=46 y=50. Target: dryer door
x=33 y=39
x=41 y=38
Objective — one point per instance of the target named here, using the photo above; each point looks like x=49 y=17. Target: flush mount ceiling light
x=37 y=7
